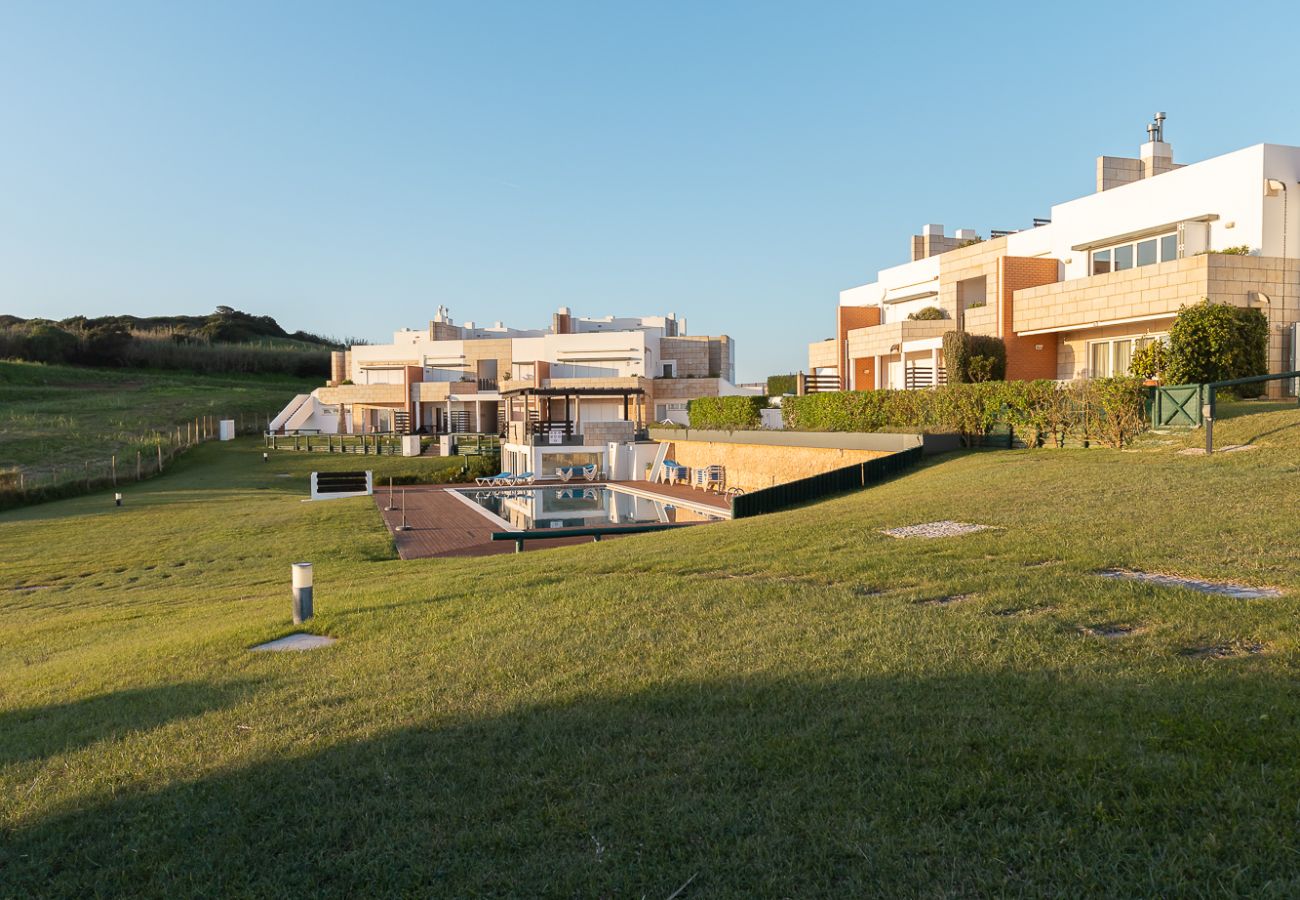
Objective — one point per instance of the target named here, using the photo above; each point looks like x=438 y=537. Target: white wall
x=1229 y=186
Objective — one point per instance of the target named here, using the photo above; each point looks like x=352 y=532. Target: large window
x=1139 y=253
x=1113 y=356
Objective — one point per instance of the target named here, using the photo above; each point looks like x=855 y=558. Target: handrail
x=1211 y=388
x=542 y=534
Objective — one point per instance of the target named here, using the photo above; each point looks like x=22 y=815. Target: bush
x=1217 y=342
x=1150 y=361
x=928 y=314
x=973 y=357
x=727 y=413
x=777 y=385
x=1112 y=410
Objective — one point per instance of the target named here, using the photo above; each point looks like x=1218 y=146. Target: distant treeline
x=226 y=341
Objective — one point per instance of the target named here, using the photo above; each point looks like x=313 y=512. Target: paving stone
x=299 y=641
x=946 y=528
x=1223 y=588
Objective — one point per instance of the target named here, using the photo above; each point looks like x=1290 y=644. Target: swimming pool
x=583 y=506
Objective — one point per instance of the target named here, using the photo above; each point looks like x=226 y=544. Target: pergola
x=538 y=399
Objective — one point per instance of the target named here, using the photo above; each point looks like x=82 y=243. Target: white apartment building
x=558 y=396
x=1075 y=295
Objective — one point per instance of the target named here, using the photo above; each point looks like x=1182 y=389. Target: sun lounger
x=524 y=478
x=485 y=480
x=673 y=471
x=564 y=473
x=589 y=472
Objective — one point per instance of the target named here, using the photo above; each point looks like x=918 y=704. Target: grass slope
x=773 y=707
x=67 y=415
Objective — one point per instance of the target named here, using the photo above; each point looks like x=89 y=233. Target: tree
x=1218 y=342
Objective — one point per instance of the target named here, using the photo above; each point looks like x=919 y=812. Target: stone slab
x=299 y=641
x=1222 y=588
x=929 y=530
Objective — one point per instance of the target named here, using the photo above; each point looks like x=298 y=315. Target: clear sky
x=348 y=168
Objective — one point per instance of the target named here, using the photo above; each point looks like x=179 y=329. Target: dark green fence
x=837 y=481
x=1177 y=406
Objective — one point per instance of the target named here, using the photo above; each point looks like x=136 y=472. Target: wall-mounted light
x=1038 y=346
x=1229 y=224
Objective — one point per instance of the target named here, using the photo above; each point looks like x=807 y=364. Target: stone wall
x=601 y=433
x=754 y=466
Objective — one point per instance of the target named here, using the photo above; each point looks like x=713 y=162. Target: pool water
x=588 y=506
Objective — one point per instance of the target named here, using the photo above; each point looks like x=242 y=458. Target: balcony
x=566 y=432
x=889 y=338
x=1142 y=294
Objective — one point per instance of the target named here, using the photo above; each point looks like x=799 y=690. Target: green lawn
x=770 y=707
x=66 y=416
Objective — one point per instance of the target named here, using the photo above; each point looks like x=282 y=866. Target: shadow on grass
x=37 y=732
x=939 y=787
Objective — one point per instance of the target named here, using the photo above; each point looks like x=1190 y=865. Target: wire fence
x=146 y=456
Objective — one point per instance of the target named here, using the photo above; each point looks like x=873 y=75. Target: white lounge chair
x=564 y=473
x=485 y=480
x=589 y=472
x=504 y=478
x=524 y=478
x=673 y=471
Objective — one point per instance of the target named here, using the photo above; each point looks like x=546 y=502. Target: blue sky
x=348 y=168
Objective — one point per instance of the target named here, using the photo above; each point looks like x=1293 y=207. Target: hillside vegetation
x=227 y=341
x=791 y=705
x=67 y=416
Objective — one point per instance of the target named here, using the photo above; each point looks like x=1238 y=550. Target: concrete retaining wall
x=879 y=442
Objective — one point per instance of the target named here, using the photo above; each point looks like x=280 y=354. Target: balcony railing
x=915 y=377
x=487 y=384
x=816 y=384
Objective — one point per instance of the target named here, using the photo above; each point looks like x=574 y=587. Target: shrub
x=778 y=385
x=1217 y=342
x=973 y=357
x=1039 y=412
x=738 y=413
x=928 y=314
x=1119 y=405
x=1150 y=361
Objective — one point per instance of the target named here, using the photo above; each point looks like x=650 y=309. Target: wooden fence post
x=137 y=465
x=160 y=457
x=87 y=474
x=113 y=467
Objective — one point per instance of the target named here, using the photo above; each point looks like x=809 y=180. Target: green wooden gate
x=1177 y=406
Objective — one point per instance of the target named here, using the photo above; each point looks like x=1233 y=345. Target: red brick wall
x=1025 y=361
x=847 y=319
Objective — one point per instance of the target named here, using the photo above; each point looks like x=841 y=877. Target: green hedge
x=973 y=357
x=1217 y=342
x=727 y=413
x=1041 y=413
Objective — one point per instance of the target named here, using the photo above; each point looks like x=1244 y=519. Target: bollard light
x=266 y=457
x=302 y=609
x=117 y=498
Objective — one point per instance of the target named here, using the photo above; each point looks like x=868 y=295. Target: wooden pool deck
x=444 y=525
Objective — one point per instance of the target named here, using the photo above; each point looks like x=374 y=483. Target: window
x=1143 y=253
x=669 y=368
x=1114 y=356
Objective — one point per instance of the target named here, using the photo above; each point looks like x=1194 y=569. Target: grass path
x=781 y=706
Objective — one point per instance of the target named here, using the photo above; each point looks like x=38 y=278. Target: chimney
x=1155 y=157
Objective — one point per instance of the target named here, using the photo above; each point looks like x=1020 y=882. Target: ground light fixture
x=403 y=526
x=302 y=605
x=117 y=498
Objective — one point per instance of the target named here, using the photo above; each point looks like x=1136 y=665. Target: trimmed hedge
x=973 y=357
x=1218 y=342
x=727 y=413
x=1041 y=413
